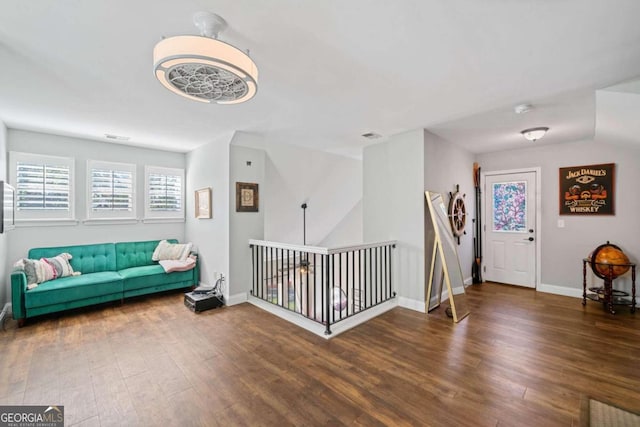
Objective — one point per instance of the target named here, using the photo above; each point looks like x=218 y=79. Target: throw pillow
x=60 y=265
x=166 y=250
x=44 y=269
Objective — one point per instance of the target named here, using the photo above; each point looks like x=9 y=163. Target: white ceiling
x=330 y=70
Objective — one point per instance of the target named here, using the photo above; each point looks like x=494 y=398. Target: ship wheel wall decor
x=457 y=213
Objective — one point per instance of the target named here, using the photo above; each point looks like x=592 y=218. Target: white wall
x=330 y=184
x=393 y=208
x=208 y=166
x=5 y=286
x=244 y=225
x=446 y=165
x=564 y=248
x=23 y=238
x=346 y=232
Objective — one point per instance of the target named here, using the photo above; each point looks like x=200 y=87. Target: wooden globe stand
x=610 y=296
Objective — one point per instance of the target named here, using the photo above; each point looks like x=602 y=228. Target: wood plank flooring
x=522 y=358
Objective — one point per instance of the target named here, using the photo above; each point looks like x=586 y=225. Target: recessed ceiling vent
x=371 y=135
x=117 y=137
x=522 y=108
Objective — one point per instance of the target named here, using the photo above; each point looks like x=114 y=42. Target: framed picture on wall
x=587 y=190
x=203 y=203
x=247 y=197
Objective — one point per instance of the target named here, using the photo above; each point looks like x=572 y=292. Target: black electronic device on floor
x=198 y=302
x=205 y=298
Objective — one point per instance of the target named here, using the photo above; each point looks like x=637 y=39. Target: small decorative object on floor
x=608 y=262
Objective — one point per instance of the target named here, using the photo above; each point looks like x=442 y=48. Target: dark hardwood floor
x=522 y=358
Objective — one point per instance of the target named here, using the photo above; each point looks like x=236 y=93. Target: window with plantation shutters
x=44 y=186
x=164 y=192
x=111 y=190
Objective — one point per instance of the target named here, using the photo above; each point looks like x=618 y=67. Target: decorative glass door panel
x=509 y=201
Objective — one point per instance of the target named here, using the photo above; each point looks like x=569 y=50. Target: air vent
x=371 y=135
x=117 y=137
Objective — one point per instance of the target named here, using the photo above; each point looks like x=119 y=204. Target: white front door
x=510 y=237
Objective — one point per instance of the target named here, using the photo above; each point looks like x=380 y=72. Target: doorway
x=511 y=218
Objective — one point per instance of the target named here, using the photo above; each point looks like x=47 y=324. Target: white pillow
x=166 y=250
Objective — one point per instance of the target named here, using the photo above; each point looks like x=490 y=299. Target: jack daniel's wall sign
x=587 y=190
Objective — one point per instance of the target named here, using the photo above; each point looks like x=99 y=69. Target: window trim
x=167 y=216
x=43 y=215
x=113 y=216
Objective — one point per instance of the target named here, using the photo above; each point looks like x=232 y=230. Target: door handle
x=529 y=239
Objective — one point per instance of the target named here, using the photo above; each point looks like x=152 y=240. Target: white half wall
x=208 y=166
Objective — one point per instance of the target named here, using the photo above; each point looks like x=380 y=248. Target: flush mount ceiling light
x=203 y=68
x=534 y=134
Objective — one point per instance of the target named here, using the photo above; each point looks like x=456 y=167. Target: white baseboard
x=319 y=329
x=412 y=304
x=560 y=290
x=237 y=299
x=468 y=281
x=567 y=292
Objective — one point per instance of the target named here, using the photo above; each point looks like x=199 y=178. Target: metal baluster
x=391 y=273
x=306 y=260
x=389 y=269
x=370 y=274
x=315 y=288
x=361 y=293
x=322 y=286
x=383 y=272
x=253 y=273
x=327 y=302
x=295 y=286
x=281 y=279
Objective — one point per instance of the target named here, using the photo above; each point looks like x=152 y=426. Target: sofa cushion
x=74 y=288
x=86 y=258
x=152 y=275
x=136 y=254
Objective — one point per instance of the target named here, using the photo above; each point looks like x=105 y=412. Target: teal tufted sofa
x=110 y=271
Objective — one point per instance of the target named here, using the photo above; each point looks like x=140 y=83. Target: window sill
x=45 y=222
x=161 y=220
x=109 y=221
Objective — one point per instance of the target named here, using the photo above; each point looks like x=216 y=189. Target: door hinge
x=484 y=269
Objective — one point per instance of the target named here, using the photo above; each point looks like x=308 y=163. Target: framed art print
x=203 y=203
x=587 y=190
x=247 y=197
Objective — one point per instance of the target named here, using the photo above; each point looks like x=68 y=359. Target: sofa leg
x=21 y=322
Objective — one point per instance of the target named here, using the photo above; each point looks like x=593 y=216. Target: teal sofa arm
x=18 y=288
